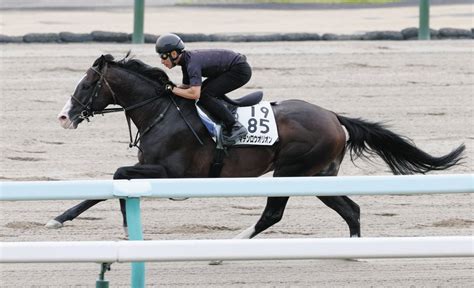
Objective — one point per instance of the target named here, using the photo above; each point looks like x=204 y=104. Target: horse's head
x=93 y=93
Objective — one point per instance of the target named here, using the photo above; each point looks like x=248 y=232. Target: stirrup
x=229 y=140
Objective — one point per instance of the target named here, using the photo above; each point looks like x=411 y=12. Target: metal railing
x=132 y=190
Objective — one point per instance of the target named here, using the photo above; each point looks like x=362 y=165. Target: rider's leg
x=217 y=109
x=232 y=129
x=214 y=88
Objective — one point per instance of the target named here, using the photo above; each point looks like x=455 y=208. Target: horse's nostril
x=63 y=117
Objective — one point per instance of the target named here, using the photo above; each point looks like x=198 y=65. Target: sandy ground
x=159 y=20
x=422 y=89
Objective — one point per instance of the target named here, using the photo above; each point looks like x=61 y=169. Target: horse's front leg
x=71 y=213
x=137 y=172
x=131 y=172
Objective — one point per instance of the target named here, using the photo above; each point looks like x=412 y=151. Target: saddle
x=247 y=100
x=213 y=125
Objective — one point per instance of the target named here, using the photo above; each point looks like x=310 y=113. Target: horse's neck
x=144 y=115
x=139 y=92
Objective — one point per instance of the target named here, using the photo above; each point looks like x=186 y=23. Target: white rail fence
x=257 y=249
x=261 y=249
x=237 y=187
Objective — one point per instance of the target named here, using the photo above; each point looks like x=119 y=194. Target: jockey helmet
x=169 y=42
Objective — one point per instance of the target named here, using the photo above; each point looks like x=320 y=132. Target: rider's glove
x=169 y=86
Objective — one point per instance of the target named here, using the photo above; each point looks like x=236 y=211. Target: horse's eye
x=86 y=86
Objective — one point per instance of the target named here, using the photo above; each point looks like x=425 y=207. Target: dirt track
x=422 y=89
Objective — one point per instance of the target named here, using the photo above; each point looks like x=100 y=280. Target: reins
x=185 y=120
x=88 y=112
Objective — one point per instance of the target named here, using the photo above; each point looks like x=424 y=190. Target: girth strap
x=218 y=163
x=219 y=154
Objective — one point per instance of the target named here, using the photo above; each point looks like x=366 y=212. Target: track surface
x=422 y=89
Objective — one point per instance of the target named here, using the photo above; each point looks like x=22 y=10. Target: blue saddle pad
x=210 y=125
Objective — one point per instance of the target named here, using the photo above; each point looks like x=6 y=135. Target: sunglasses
x=164 y=56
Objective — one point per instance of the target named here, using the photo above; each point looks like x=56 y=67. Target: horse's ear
x=127 y=57
x=99 y=62
x=103 y=59
x=108 y=58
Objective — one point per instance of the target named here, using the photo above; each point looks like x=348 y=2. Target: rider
x=225 y=71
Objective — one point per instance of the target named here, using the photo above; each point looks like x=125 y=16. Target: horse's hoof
x=53 y=224
x=352 y=260
x=178 y=199
x=216 y=262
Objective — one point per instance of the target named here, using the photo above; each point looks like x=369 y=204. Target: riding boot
x=233 y=130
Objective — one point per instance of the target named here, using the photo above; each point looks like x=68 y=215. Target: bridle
x=89 y=112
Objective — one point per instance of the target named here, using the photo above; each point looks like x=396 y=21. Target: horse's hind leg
x=71 y=213
x=348 y=212
x=271 y=215
x=343 y=205
x=356 y=212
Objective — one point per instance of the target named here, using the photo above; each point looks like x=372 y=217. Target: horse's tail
x=403 y=157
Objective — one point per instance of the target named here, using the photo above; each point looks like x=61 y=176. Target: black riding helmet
x=169 y=42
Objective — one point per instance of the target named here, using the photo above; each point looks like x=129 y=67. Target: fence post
x=424 y=29
x=134 y=222
x=138 y=19
x=101 y=282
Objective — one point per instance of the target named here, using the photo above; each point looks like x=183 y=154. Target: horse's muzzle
x=63 y=117
x=65 y=122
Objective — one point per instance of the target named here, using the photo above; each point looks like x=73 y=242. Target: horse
x=174 y=143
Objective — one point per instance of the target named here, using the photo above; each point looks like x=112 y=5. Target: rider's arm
x=193 y=92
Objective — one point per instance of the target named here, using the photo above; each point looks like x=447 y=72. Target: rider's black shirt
x=210 y=63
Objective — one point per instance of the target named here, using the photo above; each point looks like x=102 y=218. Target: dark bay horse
x=312 y=140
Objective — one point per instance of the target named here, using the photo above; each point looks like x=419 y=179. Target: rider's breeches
x=213 y=89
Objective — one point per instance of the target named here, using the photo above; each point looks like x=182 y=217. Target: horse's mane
x=129 y=63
